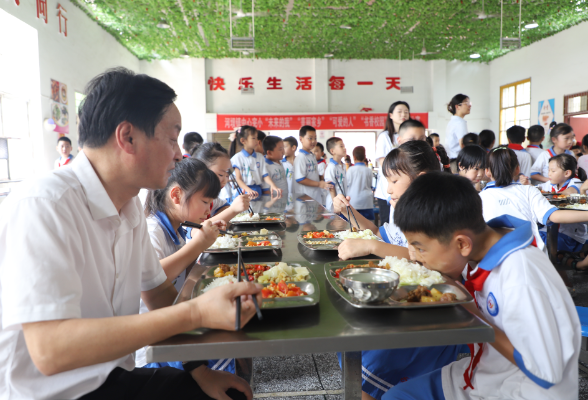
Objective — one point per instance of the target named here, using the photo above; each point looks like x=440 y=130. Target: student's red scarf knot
x=514 y=146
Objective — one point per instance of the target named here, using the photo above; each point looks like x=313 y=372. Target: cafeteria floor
x=318 y=377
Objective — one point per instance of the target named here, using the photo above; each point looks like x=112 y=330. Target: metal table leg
x=352 y=375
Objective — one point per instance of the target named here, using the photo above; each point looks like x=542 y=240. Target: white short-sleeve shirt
x=305 y=166
x=541 y=165
x=520 y=201
x=524 y=297
x=217 y=204
x=335 y=173
x=383 y=146
x=534 y=151
x=322 y=166
x=390 y=233
x=277 y=172
x=251 y=166
x=457 y=128
x=65 y=252
x=359 y=186
x=525 y=161
x=289 y=168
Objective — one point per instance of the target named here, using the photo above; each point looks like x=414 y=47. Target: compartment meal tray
x=272 y=237
x=261 y=219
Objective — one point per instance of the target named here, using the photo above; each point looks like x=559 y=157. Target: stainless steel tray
x=572 y=209
x=261 y=220
x=304 y=241
x=310 y=286
x=271 y=236
x=449 y=286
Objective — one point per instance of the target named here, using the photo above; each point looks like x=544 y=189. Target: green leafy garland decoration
x=380 y=29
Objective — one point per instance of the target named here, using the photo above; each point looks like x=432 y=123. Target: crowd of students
x=102 y=270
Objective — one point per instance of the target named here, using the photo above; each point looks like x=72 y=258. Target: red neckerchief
x=551 y=152
x=67 y=160
x=513 y=146
x=533 y=146
x=475 y=283
x=553 y=190
x=322 y=161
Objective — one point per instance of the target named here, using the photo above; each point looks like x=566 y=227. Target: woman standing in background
x=457 y=128
x=397 y=113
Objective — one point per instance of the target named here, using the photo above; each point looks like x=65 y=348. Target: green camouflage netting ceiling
x=449 y=29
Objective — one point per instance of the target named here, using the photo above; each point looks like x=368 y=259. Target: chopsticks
x=240 y=265
x=198 y=226
x=234 y=180
x=348 y=208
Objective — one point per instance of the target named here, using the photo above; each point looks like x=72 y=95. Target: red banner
x=329 y=122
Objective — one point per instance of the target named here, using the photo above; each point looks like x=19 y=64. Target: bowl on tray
x=371 y=285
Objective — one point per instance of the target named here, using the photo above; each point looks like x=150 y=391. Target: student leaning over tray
x=72 y=330
x=382 y=369
x=537 y=332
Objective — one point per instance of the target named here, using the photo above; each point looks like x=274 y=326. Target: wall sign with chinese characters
x=228 y=122
x=302 y=83
x=43 y=14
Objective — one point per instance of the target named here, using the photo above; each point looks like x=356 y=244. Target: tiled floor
x=314 y=377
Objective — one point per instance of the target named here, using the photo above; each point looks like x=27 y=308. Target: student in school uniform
x=471 y=164
x=516 y=136
x=306 y=176
x=249 y=166
x=535 y=136
x=562 y=137
x=64 y=150
x=273 y=148
x=435 y=141
x=260 y=136
x=335 y=172
x=487 y=138
x=290 y=147
x=505 y=196
x=469 y=139
x=537 y=335
x=359 y=183
x=191 y=142
x=321 y=161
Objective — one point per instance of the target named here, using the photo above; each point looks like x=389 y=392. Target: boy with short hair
x=535 y=136
x=411 y=129
x=516 y=136
x=260 y=137
x=562 y=137
x=517 y=291
x=319 y=153
x=335 y=171
x=191 y=141
x=359 y=183
x=435 y=138
x=273 y=150
x=306 y=176
x=64 y=150
x=290 y=147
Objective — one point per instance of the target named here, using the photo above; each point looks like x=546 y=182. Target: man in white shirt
x=75 y=258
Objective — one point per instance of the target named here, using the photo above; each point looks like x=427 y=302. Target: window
x=354 y=139
x=515 y=107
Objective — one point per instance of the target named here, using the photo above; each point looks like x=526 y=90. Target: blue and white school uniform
x=520 y=201
x=277 y=172
x=534 y=151
x=289 y=168
x=60 y=162
x=383 y=369
x=335 y=173
x=383 y=146
x=517 y=290
x=359 y=183
x=305 y=167
x=525 y=160
x=541 y=165
x=252 y=168
x=571 y=236
x=166 y=242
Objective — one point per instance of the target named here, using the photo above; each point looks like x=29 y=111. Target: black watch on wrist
x=190 y=366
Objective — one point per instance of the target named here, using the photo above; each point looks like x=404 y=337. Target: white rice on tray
x=412 y=273
x=224 y=242
x=365 y=234
x=244 y=216
x=219 y=282
x=578 y=206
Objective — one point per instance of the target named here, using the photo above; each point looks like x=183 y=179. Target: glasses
x=465 y=104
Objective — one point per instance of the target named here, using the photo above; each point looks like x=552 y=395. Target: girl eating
x=471 y=163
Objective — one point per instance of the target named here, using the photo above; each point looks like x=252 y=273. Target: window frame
x=513 y=84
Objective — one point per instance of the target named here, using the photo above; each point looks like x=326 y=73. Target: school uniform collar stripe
x=268 y=161
x=521 y=364
x=360 y=163
x=167 y=227
x=533 y=146
x=492 y=185
x=284 y=159
x=332 y=161
x=304 y=152
x=246 y=154
x=563 y=187
x=521 y=237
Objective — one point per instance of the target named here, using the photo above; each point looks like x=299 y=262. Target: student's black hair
x=291 y=140
x=64 y=139
x=411 y=158
x=236 y=145
x=568 y=163
x=244 y=132
x=359 y=154
x=192 y=140
x=305 y=129
x=560 y=129
x=585 y=141
x=389 y=126
x=192 y=176
x=261 y=135
x=502 y=163
x=516 y=134
x=270 y=143
x=320 y=146
x=119 y=95
x=209 y=152
x=332 y=142
x=536 y=133
x=469 y=139
x=439 y=205
x=472 y=156
x=429 y=141
x=455 y=101
x=410 y=123
x=552 y=124
x=434 y=134
x=486 y=138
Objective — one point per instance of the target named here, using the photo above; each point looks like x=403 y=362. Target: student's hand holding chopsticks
x=207 y=234
x=340 y=203
x=241 y=203
x=216 y=308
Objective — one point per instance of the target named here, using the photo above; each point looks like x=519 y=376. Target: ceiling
x=391 y=29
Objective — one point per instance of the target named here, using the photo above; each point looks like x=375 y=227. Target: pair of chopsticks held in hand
x=241 y=264
x=349 y=210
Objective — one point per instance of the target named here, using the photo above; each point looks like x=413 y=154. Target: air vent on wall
x=407 y=89
x=242 y=43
